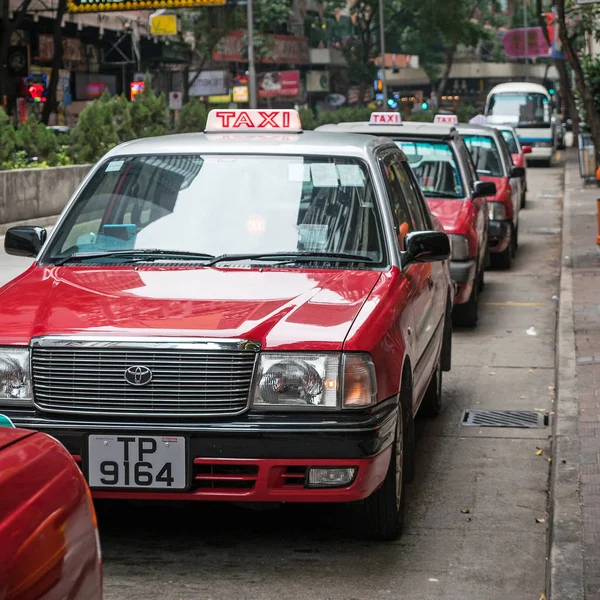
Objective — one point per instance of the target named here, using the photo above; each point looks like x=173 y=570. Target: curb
x=40 y=222
x=565 y=573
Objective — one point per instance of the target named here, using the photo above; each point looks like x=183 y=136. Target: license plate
x=131 y=461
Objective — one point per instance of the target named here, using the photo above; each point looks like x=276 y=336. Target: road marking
x=509 y=303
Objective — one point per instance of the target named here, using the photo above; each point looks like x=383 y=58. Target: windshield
x=224 y=204
x=511 y=142
x=525 y=110
x=486 y=155
x=435 y=167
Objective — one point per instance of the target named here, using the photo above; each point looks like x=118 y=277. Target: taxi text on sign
x=446 y=119
x=382 y=118
x=80 y=6
x=252 y=120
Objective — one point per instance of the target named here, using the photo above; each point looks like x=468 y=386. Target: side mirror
x=425 y=247
x=526 y=149
x=24 y=241
x=484 y=188
x=517 y=171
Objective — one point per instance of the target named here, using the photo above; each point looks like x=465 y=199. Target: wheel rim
x=399 y=459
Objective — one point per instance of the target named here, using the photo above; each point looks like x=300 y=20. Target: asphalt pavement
x=477 y=512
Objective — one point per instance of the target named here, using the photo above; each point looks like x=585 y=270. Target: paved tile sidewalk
x=585 y=263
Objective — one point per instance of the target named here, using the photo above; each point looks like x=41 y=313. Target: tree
x=50 y=105
x=566 y=92
x=585 y=19
x=7 y=28
x=7 y=139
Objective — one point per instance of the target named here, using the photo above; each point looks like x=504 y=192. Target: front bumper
x=258 y=458
x=499 y=236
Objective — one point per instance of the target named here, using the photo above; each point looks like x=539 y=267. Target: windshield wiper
x=143 y=254
x=292 y=256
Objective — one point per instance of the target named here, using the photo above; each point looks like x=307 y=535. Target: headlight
x=15 y=378
x=497 y=211
x=296 y=380
x=460 y=247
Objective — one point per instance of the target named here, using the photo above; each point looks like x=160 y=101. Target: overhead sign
x=163 y=24
x=240 y=93
x=383 y=118
x=175 y=101
x=446 y=119
x=80 y=6
x=514 y=43
x=253 y=120
x=279 y=84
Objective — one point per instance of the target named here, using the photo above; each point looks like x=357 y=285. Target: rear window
x=435 y=166
x=486 y=155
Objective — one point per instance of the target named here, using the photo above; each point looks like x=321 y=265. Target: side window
x=468 y=160
x=403 y=219
x=413 y=197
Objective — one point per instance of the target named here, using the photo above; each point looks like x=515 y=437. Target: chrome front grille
x=187 y=379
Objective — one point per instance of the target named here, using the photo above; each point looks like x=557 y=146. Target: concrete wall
x=27 y=194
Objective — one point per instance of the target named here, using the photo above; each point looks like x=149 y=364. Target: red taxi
x=455 y=195
x=518 y=153
x=250 y=314
x=494 y=163
x=49 y=547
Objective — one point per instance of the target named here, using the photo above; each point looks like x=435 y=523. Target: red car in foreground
x=49 y=547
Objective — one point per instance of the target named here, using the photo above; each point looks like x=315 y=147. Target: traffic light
x=551 y=91
x=424 y=105
x=392 y=103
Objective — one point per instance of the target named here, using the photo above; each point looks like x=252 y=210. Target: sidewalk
x=575 y=494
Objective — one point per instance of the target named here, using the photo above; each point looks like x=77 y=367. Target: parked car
x=250 y=314
x=455 y=195
x=50 y=548
x=494 y=163
x=518 y=154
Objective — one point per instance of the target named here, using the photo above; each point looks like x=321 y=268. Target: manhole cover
x=504 y=418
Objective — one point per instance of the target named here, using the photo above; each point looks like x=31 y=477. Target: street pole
x=382 y=36
x=251 y=66
x=526 y=40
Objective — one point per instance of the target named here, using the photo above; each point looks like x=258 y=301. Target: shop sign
x=240 y=93
x=220 y=99
x=278 y=84
x=283 y=49
x=80 y=6
x=73 y=50
x=163 y=25
x=208 y=83
x=317 y=81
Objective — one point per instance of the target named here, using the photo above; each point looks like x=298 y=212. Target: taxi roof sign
x=385 y=118
x=254 y=120
x=446 y=119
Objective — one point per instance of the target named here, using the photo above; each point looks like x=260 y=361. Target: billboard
x=279 y=84
x=514 y=43
x=82 y=6
x=209 y=83
x=283 y=49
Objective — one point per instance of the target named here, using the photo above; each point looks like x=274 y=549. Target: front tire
x=380 y=517
x=432 y=401
x=467 y=314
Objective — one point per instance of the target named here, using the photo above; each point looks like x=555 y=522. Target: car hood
x=281 y=308
x=452 y=214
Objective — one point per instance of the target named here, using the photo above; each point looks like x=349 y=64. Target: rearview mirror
x=425 y=247
x=24 y=241
x=526 y=149
x=517 y=171
x=484 y=188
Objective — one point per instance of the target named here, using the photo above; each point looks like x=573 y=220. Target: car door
x=515 y=182
x=432 y=328
x=482 y=225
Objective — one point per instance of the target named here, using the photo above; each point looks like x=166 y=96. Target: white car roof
x=519 y=86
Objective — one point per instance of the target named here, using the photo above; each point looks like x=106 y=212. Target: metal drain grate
x=523 y=419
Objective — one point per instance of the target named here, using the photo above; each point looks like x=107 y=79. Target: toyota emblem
x=138 y=375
